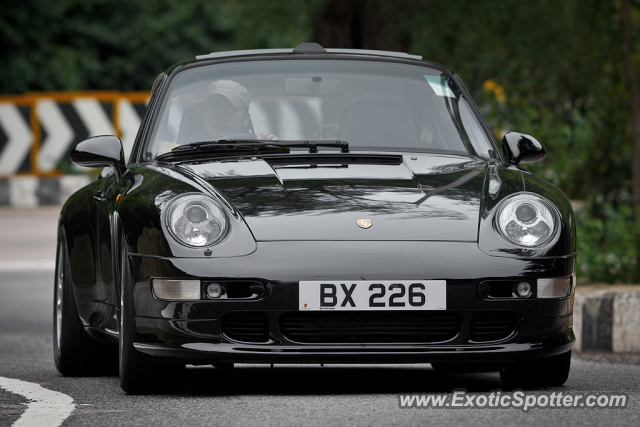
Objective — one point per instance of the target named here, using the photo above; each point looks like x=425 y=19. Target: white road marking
x=26 y=265
x=19 y=138
x=59 y=134
x=46 y=407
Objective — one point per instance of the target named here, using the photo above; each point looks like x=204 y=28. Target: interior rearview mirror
x=313 y=86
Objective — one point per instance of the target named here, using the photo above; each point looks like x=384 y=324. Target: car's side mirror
x=522 y=148
x=100 y=151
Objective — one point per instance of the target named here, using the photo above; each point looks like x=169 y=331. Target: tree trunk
x=353 y=24
x=634 y=99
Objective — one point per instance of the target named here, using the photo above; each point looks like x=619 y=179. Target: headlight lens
x=527 y=220
x=196 y=220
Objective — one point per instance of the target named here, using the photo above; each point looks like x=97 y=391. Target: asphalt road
x=254 y=394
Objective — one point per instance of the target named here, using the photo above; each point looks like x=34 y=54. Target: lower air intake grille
x=376 y=327
x=492 y=325
x=246 y=326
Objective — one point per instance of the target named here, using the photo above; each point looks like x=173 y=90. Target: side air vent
x=247 y=326
x=354 y=327
x=492 y=325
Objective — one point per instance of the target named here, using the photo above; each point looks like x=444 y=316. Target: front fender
x=513 y=181
x=141 y=209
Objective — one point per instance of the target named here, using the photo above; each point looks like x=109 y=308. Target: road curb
x=607 y=319
x=30 y=191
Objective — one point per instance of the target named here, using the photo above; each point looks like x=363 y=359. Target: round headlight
x=196 y=220
x=527 y=220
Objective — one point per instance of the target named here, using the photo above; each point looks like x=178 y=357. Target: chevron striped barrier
x=38 y=130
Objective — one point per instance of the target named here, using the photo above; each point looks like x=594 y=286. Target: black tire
x=75 y=353
x=139 y=373
x=548 y=372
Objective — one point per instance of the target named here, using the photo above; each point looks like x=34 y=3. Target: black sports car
x=314 y=205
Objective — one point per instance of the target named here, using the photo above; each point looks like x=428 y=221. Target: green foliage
x=99 y=44
x=606 y=243
x=124 y=44
x=258 y=24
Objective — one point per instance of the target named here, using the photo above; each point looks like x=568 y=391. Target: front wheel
x=139 y=373
x=75 y=353
x=548 y=372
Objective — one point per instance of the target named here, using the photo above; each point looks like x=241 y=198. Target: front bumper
x=195 y=331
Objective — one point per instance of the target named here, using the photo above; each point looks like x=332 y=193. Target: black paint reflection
x=459 y=195
x=424 y=198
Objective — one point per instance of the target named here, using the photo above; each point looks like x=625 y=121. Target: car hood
x=420 y=197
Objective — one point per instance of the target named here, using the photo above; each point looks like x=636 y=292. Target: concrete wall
x=28 y=191
x=607 y=318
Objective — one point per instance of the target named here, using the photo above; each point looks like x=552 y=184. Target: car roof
x=308 y=48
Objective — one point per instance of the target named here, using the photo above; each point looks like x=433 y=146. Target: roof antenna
x=309 y=48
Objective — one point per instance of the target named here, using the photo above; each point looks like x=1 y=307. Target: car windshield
x=373 y=105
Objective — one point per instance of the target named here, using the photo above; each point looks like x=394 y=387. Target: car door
x=107 y=296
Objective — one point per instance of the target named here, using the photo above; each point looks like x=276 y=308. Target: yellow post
x=115 y=113
x=35 y=131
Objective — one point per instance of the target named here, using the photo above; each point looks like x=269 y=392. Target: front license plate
x=373 y=295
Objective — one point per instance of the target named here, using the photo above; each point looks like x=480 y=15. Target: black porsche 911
x=314 y=205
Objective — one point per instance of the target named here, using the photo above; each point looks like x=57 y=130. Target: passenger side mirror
x=100 y=151
x=522 y=148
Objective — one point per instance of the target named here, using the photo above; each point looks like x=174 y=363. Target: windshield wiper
x=240 y=145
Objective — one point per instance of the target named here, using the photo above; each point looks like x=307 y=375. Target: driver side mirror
x=100 y=151
x=522 y=148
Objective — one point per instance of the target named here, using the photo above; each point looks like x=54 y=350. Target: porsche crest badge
x=364 y=223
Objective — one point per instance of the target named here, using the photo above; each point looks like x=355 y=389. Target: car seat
x=377 y=123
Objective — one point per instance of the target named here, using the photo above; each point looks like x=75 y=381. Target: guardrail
x=38 y=129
